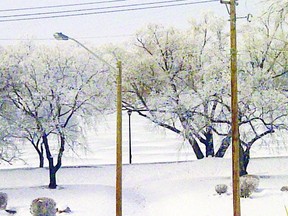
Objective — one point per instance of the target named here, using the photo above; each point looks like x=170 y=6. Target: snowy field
x=172 y=189
x=183 y=188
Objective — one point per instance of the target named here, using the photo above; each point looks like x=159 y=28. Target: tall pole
x=119 y=142
x=61 y=36
x=234 y=105
x=130 y=144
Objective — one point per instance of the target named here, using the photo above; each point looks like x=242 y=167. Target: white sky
x=103 y=28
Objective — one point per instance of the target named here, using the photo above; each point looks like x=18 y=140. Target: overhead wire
x=92 y=9
x=59 y=6
x=126 y=8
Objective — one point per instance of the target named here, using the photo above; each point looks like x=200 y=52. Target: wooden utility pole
x=119 y=142
x=234 y=105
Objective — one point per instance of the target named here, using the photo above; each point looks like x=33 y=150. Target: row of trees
x=181 y=79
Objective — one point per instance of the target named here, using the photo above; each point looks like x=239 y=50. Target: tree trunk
x=244 y=160
x=189 y=136
x=196 y=148
x=52 y=178
x=41 y=160
x=52 y=169
x=209 y=142
x=39 y=151
x=224 y=146
x=209 y=150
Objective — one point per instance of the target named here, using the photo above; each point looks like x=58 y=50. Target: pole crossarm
x=229 y=2
x=224 y=1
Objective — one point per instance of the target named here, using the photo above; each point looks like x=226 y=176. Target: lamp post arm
x=94 y=54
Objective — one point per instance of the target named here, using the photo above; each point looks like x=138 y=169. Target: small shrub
x=66 y=210
x=284 y=188
x=221 y=188
x=248 y=184
x=43 y=207
x=3 y=200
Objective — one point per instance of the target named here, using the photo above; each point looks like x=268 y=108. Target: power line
x=111 y=11
x=59 y=6
x=92 y=9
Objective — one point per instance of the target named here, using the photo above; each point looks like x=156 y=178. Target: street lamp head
x=60 y=36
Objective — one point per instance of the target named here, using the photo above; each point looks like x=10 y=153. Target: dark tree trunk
x=52 y=177
x=60 y=153
x=209 y=150
x=209 y=142
x=41 y=160
x=244 y=160
x=41 y=156
x=189 y=135
x=39 y=151
x=224 y=146
x=245 y=153
x=196 y=148
x=52 y=169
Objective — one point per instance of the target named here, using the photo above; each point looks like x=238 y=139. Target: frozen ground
x=184 y=189
x=170 y=189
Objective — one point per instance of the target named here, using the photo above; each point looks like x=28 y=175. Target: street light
x=61 y=36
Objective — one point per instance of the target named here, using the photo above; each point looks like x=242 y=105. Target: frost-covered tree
x=182 y=80
x=17 y=128
x=54 y=91
x=177 y=76
x=263 y=97
x=9 y=151
x=263 y=79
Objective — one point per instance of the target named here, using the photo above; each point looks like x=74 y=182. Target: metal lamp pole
x=130 y=146
x=61 y=36
x=119 y=143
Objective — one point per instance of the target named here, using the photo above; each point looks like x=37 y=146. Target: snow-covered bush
x=284 y=188
x=248 y=184
x=221 y=188
x=66 y=210
x=43 y=207
x=3 y=200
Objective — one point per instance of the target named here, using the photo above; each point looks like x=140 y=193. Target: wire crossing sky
x=99 y=22
x=101 y=10
x=59 y=6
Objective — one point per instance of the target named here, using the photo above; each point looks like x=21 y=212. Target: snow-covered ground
x=182 y=188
